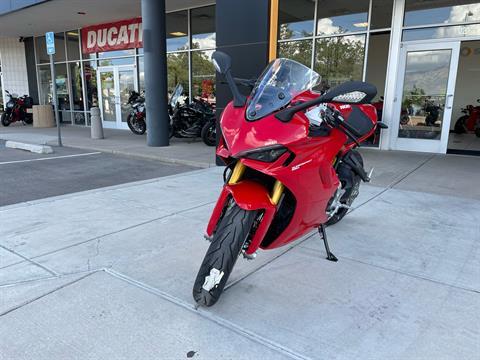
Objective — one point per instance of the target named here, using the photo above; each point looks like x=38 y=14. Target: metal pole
x=54 y=99
x=155 y=62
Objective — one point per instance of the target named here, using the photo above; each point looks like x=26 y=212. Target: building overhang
x=62 y=15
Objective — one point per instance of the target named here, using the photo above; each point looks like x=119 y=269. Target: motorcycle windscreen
x=280 y=82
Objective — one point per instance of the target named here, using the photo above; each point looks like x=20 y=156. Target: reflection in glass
x=90 y=73
x=424 y=94
x=381 y=14
x=295 y=18
x=300 y=50
x=177 y=71
x=73 y=50
x=203 y=75
x=41 y=50
x=108 y=96
x=76 y=81
x=141 y=73
x=126 y=84
x=116 y=53
x=62 y=92
x=45 y=84
x=339 y=18
x=339 y=59
x=59 y=47
x=435 y=12
x=118 y=61
x=441 y=32
x=177 y=31
x=203 y=27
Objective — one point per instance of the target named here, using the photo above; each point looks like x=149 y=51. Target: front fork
x=250 y=196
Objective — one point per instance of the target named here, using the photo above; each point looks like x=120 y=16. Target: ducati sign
x=120 y=35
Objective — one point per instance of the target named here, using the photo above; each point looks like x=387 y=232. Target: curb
x=38 y=149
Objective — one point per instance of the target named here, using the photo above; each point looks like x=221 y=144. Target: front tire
x=209 y=133
x=230 y=236
x=477 y=132
x=137 y=126
x=5 y=119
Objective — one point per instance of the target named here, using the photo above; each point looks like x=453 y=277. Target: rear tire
x=348 y=197
x=460 y=125
x=228 y=240
x=137 y=126
x=5 y=119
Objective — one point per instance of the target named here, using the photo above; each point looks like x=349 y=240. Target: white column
x=390 y=100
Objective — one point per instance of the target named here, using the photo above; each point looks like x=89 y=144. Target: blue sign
x=50 y=40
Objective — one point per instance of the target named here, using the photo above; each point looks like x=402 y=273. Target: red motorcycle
x=470 y=122
x=291 y=165
x=16 y=109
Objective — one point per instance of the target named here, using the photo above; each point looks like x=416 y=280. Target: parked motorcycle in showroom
x=470 y=122
x=16 y=109
x=193 y=120
x=136 y=120
x=291 y=165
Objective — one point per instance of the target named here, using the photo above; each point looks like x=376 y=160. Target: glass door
x=115 y=85
x=424 y=99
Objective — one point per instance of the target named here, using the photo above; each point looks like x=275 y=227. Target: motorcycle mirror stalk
x=223 y=63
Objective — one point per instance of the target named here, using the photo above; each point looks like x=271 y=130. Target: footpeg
x=323 y=234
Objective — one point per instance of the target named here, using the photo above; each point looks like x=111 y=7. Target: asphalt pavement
x=26 y=176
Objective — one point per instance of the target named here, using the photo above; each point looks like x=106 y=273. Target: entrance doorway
x=114 y=86
x=464 y=126
x=424 y=96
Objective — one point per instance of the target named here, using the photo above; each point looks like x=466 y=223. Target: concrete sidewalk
x=108 y=273
x=124 y=142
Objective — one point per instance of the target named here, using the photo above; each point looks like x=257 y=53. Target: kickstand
x=323 y=234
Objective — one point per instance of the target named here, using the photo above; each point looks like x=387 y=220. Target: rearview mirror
x=221 y=61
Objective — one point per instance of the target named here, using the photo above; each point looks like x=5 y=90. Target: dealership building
x=423 y=56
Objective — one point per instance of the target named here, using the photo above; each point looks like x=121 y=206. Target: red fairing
x=310 y=177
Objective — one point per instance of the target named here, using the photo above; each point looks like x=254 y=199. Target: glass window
x=177 y=31
x=118 y=61
x=44 y=84
x=116 y=53
x=62 y=92
x=424 y=94
x=90 y=73
x=203 y=75
x=338 y=17
x=141 y=73
x=76 y=82
x=440 y=12
x=177 y=71
x=381 y=14
x=339 y=59
x=295 y=18
x=300 y=50
x=441 y=32
x=59 y=47
x=203 y=27
x=73 y=42
x=41 y=50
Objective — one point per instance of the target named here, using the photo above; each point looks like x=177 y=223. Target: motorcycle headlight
x=265 y=154
x=10 y=104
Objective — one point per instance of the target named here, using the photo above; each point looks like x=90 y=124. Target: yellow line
x=272 y=51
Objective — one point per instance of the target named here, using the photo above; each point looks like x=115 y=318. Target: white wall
x=14 y=66
x=467 y=88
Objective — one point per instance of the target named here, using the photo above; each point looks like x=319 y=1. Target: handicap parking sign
x=50 y=40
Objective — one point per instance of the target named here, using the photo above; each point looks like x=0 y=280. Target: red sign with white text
x=120 y=35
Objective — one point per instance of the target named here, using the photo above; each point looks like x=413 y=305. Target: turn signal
x=265 y=154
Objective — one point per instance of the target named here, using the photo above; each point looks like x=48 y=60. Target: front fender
x=250 y=196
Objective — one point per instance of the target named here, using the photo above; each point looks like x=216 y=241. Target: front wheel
x=227 y=243
x=460 y=125
x=209 y=133
x=5 y=119
x=477 y=132
x=136 y=125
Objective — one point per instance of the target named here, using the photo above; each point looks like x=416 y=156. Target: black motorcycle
x=136 y=120
x=193 y=120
